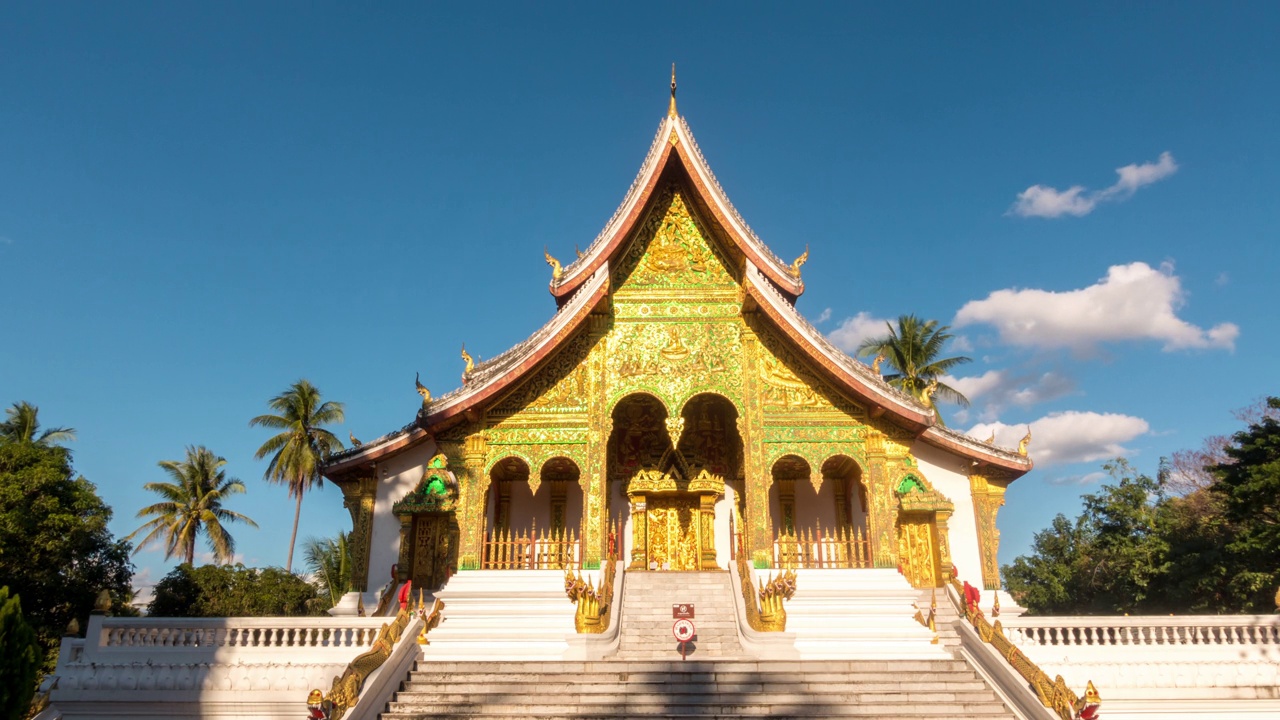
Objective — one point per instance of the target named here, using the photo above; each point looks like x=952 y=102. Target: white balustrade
x=1147 y=630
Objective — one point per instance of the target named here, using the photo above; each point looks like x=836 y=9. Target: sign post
x=684 y=632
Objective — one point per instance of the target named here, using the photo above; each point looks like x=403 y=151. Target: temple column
x=757 y=535
x=639 y=533
x=944 y=546
x=707 y=532
x=404 y=569
x=357 y=497
x=881 y=515
x=593 y=477
x=988 y=498
x=471 y=529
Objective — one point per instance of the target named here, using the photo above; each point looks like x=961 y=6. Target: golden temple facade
x=677 y=411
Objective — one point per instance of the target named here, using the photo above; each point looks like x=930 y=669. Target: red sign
x=682 y=611
x=683 y=630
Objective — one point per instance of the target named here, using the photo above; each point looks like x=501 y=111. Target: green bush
x=232 y=591
x=20 y=659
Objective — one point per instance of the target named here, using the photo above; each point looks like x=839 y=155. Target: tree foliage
x=1142 y=546
x=912 y=351
x=233 y=591
x=329 y=562
x=301 y=446
x=56 y=551
x=20 y=659
x=192 y=506
x=22 y=425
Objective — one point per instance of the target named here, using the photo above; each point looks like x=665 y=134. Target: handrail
x=769 y=615
x=346 y=689
x=1054 y=695
x=1147 y=630
x=595 y=602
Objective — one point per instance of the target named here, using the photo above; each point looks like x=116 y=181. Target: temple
x=675 y=443
x=676 y=403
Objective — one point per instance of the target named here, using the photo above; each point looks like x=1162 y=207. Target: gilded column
x=593 y=478
x=405 y=568
x=842 y=503
x=471 y=529
x=988 y=498
x=708 y=532
x=944 y=546
x=639 y=533
x=881 y=516
x=358 y=497
x=751 y=427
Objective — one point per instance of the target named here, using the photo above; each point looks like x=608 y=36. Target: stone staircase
x=647 y=621
x=865 y=689
x=648 y=679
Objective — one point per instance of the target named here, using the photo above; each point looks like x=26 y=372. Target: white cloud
x=853 y=330
x=1223 y=279
x=1068 y=437
x=1086 y=479
x=960 y=343
x=1047 y=202
x=1133 y=302
x=823 y=316
x=206 y=558
x=995 y=390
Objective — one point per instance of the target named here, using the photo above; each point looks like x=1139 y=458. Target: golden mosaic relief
x=560 y=386
x=675 y=361
x=671 y=250
x=916 y=552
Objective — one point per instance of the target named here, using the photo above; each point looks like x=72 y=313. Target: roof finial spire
x=671 y=110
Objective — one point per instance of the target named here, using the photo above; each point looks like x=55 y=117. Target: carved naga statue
x=556 y=271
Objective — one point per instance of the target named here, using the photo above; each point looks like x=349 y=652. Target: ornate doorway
x=433 y=546
x=429 y=527
x=674 y=541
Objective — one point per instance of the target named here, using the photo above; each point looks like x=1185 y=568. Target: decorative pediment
x=914 y=496
x=672 y=476
x=437 y=491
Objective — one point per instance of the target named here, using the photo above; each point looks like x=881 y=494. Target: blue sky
x=200 y=204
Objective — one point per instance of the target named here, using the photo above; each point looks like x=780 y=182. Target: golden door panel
x=673 y=533
x=916 y=551
x=431 y=546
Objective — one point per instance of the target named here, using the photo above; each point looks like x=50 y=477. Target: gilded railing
x=765 y=612
x=531 y=550
x=595 y=602
x=345 y=692
x=1054 y=695
x=818 y=548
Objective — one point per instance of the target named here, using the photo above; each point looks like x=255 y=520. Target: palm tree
x=22 y=425
x=192 y=504
x=302 y=445
x=329 y=561
x=911 y=351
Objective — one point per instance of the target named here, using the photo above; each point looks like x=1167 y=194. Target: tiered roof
x=769 y=281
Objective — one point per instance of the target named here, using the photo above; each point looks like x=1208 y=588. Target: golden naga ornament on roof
x=929 y=390
x=354 y=441
x=1026 y=440
x=471 y=363
x=795 y=265
x=422 y=390
x=556 y=271
x=875 y=364
x=992 y=440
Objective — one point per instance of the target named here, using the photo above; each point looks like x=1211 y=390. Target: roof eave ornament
x=671 y=109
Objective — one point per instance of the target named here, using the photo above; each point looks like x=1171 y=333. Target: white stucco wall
x=397 y=476
x=949 y=475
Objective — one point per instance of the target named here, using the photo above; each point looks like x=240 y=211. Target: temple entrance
x=674 y=541
x=433 y=546
x=916 y=550
x=670 y=473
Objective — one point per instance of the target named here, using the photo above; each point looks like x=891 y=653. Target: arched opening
x=533 y=524
x=670 y=474
x=819 y=520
